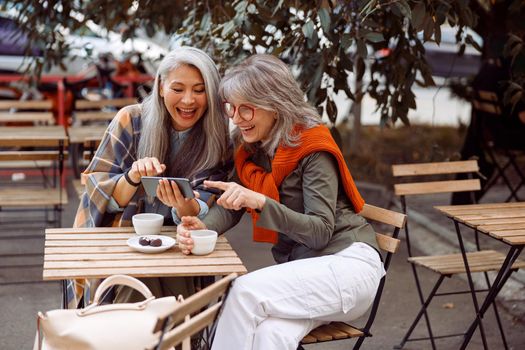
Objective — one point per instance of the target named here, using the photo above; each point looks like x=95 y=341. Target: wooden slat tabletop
x=503 y=221
x=102 y=251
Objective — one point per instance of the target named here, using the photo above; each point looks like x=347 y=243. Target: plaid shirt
x=114 y=156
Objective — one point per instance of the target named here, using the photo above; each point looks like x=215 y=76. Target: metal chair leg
x=422 y=312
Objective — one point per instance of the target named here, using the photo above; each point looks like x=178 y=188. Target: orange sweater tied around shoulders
x=254 y=177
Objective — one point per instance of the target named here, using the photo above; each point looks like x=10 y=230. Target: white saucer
x=167 y=243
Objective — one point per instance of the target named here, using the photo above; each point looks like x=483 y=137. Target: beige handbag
x=114 y=326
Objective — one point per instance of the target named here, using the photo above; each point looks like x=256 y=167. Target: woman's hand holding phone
x=149 y=166
x=169 y=193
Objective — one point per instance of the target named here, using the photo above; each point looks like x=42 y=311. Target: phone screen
x=151 y=183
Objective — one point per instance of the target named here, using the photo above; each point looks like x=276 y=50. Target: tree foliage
x=326 y=41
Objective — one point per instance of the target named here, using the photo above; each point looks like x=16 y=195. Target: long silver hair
x=266 y=82
x=207 y=144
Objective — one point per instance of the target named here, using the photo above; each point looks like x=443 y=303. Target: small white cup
x=203 y=241
x=147 y=223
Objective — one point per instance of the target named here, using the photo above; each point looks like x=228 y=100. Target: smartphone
x=150 y=184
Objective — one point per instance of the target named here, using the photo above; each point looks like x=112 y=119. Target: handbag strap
x=124 y=280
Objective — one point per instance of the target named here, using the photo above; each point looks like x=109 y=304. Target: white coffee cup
x=203 y=241
x=147 y=223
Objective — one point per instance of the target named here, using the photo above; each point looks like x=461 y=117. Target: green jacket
x=314 y=217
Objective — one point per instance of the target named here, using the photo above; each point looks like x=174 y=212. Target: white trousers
x=275 y=307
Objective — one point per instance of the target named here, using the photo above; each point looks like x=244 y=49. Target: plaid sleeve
x=113 y=157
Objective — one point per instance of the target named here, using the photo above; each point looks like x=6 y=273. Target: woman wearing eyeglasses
x=291 y=176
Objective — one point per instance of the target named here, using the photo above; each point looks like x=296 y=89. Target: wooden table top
x=32 y=135
x=503 y=221
x=102 y=251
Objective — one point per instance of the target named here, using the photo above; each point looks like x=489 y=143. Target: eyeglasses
x=245 y=112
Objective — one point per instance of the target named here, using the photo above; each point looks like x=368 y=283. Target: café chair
x=30 y=112
x=389 y=245
x=501 y=140
x=204 y=307
x=40 y=165
x=450 y=264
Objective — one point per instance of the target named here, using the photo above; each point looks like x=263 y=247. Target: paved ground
x=20 y=302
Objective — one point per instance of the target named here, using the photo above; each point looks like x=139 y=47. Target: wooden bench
x=389 y=245
x=36 y=112
x=37 y=143
x=89 y=111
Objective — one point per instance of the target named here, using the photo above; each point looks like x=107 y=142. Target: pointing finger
x=217 y=184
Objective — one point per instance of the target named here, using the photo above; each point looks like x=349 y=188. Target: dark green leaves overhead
x=329 y=43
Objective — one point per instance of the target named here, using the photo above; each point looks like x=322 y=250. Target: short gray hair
x=209 y=138
x=267 y=83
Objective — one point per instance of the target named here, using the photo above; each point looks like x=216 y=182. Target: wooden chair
x=33 y=112
x=90 y=120
x=450 y=264
x=388 y=244
x=502 y=141
x=29 y=145
x=203 y=315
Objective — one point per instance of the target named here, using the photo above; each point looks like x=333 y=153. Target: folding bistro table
x=504 y=222
x=99 y=252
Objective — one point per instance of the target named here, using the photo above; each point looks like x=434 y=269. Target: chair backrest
x=438 y=168
x=389 y=244
x=17 y=111
x=487 y=102
x=86 y=110
x=192 y=306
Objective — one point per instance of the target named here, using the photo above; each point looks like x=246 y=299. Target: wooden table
x=100 y=252
x=504 y=222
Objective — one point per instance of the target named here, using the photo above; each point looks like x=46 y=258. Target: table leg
x=64 y=294
x=471 y=284
x=503 y=274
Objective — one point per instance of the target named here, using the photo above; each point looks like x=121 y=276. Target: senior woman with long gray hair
x=291 y=176
x=178 y=131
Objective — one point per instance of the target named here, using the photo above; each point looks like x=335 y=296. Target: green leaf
x=418 y=16
x=437 y=33
x=228 y=28
x=361 y=48
x=324 y=17
x=205 y=22
x=374 y=37
x=331 y=110
x=471 y=41
x=404 y=8
x=313 y=41
x=308 y=29
x=346 y=41
x=241 y=6
x=429 y=28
